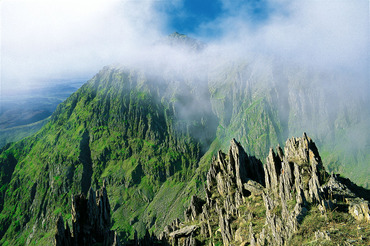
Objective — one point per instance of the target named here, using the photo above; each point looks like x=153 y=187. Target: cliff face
x=290 y=200
x=91 y=221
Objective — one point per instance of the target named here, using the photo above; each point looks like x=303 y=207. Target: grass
x=291 y=203
x=340 y=226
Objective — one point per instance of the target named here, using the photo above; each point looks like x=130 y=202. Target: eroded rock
x=91 y=221
x=282 y=193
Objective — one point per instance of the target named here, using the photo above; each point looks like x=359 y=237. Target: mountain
x=291 y=200
x=182 y=41
x=151 y=138
x=120 y=128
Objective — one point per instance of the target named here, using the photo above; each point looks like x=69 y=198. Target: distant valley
x=24 y=112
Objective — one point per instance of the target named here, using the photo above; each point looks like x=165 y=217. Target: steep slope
x=151 y=136
x=244 y=99
x=292 y=201
x=263 y=102
x=118 y=127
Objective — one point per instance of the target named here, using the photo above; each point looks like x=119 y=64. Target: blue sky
x=193 y=16
x=188 y=18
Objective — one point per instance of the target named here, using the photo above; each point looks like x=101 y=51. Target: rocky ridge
x=91 y=221
x=247 y=203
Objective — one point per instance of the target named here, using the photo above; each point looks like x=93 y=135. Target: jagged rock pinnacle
x=285 y=189
x=90 y=220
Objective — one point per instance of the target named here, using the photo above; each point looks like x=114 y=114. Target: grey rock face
x=292 y=175
x=359 y=209
x=91 y=221
x=194 y=209
x=289 y=184
x=337 y=190
x=184 y=231
x=254 y=187
x=232 y=178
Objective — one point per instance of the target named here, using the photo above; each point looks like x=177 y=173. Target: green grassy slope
x=117 y=127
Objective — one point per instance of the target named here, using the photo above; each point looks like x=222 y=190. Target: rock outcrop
x=293 y=176
x=248 y=203
x=91 y=221
x=230 y=179
x=337 y=190
x=245 y=203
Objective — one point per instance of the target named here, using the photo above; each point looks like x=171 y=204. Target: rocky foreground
x=290 y=200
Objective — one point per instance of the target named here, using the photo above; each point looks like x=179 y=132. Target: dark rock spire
x=91 y=221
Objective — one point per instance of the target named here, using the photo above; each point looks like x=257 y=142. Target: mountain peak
x=177 y=35
x=183 y=41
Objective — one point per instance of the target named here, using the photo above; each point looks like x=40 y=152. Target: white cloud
x=63 y=38
x=325 y=34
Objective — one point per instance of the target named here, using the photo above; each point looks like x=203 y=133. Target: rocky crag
x=288 y=201
x=91 y=221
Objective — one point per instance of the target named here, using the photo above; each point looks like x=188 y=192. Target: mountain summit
x=183 y=41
